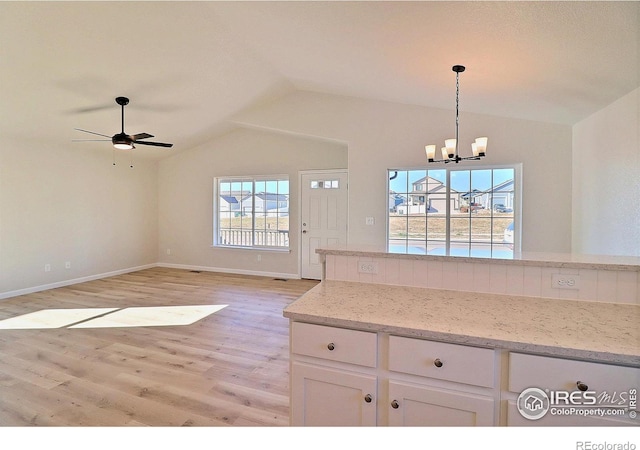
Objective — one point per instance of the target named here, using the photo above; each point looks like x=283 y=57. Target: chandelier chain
x=457 y=108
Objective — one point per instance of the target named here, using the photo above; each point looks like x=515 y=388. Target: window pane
x=481 y=229
x=398 y=181
x=417 y=227
x=437 y=227
x=398 y=227
x=460 y=229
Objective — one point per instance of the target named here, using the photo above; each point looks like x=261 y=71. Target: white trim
x=57 y=284
x=293 y=276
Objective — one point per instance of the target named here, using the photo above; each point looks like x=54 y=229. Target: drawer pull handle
x=438 y=363
x=581 y=386
x=331 y=346
x=395 y=404
x=368 y=398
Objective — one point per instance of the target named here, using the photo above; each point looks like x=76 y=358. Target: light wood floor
x=230 y=368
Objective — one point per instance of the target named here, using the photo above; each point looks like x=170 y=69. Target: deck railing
x=261 y=238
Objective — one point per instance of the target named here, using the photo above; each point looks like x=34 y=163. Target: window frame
x=517 y=210
x=253 y=179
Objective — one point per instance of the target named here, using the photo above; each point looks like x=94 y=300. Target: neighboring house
x=228 y=203
x=502 y=195
x=266 y=204
x=395 y=199
x=474 y=197
x=428 y=194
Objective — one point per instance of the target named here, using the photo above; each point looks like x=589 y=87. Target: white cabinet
x=330 y=382
x=343 y=377
x=422 y=405
x=446 y=394
x=323 y=396
x=580 y=393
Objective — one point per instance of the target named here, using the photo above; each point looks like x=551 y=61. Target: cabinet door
x=413 y=405
x=323 y=396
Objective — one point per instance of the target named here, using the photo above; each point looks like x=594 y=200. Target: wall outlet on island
x=563 y=281
x=367 y=267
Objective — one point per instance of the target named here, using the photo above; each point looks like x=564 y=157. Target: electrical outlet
x=168 y=251
x=47 y=267
x=367 y=267
x=67 y=265
x=563 y=281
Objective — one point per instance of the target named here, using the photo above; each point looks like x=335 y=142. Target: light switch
x=370 y=221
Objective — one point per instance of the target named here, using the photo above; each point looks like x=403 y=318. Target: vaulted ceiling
x=188 y=67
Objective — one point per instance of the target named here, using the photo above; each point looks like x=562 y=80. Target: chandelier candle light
x=450 y=150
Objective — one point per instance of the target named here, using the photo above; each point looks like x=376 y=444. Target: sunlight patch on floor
x=52 y=318
x=144 y=316
x=152 y=316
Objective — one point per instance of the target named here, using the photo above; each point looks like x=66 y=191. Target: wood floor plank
x=229 y=368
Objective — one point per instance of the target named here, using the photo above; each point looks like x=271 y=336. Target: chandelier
x=450 y=150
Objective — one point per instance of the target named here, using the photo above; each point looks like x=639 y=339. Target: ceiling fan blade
x=90 y=140
x=157 y=144
x=89 y=109
x=92 y=132
x=138 y=136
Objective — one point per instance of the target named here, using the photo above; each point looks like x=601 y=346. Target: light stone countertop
x=594 y=331
x=541 y=259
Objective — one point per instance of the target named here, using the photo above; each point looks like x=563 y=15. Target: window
x=252 y=212
x=458 y=212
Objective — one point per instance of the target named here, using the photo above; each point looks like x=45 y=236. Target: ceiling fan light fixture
x=122 y=142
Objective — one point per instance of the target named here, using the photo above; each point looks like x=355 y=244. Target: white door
x=323 y=220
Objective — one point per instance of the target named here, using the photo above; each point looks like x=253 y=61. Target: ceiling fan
x=122 y=140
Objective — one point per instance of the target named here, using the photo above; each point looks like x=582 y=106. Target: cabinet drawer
x=452 y=362
x=335 y=344
x=545 y=372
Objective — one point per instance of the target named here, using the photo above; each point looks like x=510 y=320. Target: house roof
x=269 y=197
x=190 y=66
x=229 y=198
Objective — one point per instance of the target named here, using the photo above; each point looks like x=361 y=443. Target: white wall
x=382 y=135
x=186 y=197
x=69 y=203
x=606 y=180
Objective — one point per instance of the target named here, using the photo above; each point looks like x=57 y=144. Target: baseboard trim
x=57 y=284
x=293 y=276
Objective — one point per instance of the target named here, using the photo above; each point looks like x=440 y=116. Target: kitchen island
x=367 y=353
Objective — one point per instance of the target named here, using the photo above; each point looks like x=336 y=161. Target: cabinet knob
x=368 y=398
x=581 y=386
x=395 y=404
x=331 y=346
x=437 y=362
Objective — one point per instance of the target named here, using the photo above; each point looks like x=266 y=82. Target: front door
x=323 y=220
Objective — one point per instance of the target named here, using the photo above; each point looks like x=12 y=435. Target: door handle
x=304 y=231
